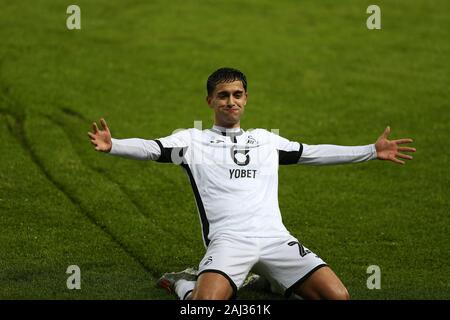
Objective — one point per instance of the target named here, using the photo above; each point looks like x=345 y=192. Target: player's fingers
x=94 y=127
x=386 y=132
x=93 y=143
x=91 y=135
x=404 y=156
x=104 y=125
x=407 y=149
x=398 y=161
x=402 y=141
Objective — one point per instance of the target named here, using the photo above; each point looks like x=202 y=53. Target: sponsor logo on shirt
x=242 y=173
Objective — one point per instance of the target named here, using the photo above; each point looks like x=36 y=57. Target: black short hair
x=224 y=75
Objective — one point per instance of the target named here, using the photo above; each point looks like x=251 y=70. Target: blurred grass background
x=315 y=72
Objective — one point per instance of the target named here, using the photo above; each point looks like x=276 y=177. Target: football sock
x=183 y=288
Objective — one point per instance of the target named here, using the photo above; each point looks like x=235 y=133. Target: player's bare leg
x=322 y=284
x=212 y=286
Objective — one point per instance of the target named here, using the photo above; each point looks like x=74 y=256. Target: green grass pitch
x=315 y=72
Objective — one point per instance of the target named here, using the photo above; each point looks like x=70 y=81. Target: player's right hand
x=101 y=139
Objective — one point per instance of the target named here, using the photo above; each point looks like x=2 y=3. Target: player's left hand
x=390 y=149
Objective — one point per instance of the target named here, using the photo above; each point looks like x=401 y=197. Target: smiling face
x=228 y=101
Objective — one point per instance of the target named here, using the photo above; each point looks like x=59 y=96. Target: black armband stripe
x=171 y=155
x=289 y=157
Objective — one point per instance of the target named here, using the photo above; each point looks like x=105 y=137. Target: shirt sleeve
x=326 y=154
x=135 y=148
x=289 y=152
x=167 y=149
x=174 y=147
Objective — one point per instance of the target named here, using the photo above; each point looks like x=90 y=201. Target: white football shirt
x=234 y=173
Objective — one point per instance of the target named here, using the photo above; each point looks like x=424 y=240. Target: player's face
x=228 y=101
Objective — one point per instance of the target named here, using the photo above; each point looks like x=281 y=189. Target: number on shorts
x=301 y=248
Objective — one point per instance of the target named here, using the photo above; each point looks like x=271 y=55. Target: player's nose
x=230 y=102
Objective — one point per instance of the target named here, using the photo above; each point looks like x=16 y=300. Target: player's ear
x=208 y=100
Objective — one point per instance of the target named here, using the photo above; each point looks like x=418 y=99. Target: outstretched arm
x=129 y=148
x=382 y=149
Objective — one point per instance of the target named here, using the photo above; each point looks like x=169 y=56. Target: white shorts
x=284 y=262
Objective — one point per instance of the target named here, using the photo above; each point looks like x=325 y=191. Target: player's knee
x=339 y=293
x=207 y=295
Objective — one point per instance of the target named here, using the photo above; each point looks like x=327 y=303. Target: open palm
x=101 y=139
x=390 y=149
